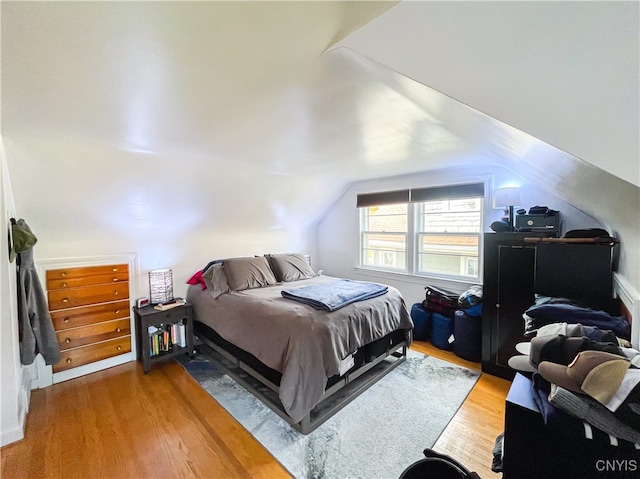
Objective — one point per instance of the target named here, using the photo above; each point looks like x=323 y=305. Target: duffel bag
x=444 y=298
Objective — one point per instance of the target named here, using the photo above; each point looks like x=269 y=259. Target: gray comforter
x=304 y=344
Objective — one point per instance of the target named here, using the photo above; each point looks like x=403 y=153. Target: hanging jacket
x=35 y=326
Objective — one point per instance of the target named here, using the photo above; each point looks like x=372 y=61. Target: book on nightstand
x=171 y=304
x=178 y=335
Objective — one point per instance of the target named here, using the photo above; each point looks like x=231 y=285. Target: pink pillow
x=197 y=279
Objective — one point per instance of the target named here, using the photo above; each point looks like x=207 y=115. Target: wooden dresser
x=90 y=310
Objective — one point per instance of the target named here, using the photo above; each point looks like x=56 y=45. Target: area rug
x=378 y=435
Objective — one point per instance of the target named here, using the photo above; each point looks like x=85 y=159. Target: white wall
x=338 y=232
x=178 y=212
x=14 y=393
x=173 y=211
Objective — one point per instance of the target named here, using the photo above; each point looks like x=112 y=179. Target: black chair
x=437 y=466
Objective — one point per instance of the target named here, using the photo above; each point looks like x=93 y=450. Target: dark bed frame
x=372 y=362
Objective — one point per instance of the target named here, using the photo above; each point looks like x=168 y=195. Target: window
x=426 y=231
x=472 y=267
x=448 y=234
x=383 y=233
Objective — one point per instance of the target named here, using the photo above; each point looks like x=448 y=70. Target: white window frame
x=363 y=232
x=419 y=233
x=468 y=262
x=412 y=244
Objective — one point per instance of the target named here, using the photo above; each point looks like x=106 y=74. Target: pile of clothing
x=548 y=310
x=586 y=381
x=585 y=373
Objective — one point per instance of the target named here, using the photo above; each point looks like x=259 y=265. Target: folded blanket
x=543 y=314
x=335 y=295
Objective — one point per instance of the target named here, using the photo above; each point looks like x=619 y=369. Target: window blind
x=383 y=198
x=418 y=195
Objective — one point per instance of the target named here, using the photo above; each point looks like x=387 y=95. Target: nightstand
x=180 y=317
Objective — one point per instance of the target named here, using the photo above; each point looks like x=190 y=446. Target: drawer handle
x=64 y=285
x=117 y=330
x=118 y=347
x=115 y=293
x=65 y=300
x=114 y=269
x=68 y=340
x=115 y=280
x=66 y=320
x=117 y=311
x=63 y=274
x=68 y=360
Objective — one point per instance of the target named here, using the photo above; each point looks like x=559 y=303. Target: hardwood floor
x=121 y=423
x=470 y=436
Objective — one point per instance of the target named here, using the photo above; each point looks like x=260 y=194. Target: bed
x=303 y=361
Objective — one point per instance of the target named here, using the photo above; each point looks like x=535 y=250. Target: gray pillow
x=248 y=273
x=290 y=267
x=216 y=280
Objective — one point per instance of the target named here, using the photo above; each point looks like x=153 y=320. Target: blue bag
x=421 y=322
x=467 y=330
x=441 y=331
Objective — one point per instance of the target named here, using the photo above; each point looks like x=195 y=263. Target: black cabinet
x=515 y=270
x=508 y=290
x=149 y=316
x=581 y=271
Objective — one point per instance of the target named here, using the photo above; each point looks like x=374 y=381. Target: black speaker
x=500 y=226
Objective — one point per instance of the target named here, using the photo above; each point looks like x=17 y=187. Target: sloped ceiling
x=566 y=73
x=203 y=77
x=275 y=107
x=170 y=76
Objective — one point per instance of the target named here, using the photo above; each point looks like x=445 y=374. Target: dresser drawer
x=73 y=338
x=72 y=358
x=82 y=272
x=72 y=297
x=169 y=316
x=87 y=281
x=76 y=317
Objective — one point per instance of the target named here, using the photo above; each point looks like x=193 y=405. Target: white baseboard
x=25 y=394
x=24 y=397
x=30 y=381
x=92 y=367
x=8 y=437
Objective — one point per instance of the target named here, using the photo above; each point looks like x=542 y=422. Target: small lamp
x=507 y=198
x=161 y=286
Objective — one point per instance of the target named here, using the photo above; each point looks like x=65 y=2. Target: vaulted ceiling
x=563 y=72
x=290 y=89
x=254 y=117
